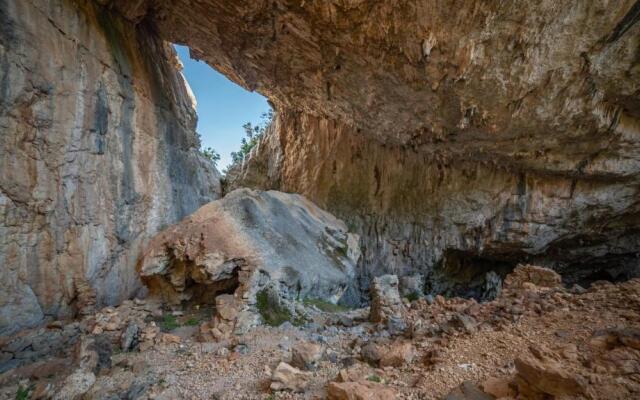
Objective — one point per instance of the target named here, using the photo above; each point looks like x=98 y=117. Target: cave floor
x=530 y=343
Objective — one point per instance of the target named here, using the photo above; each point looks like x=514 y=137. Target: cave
x=391 y=117
x=614 y=268
x=185 y=283
x=412 y=142
x=469 y=274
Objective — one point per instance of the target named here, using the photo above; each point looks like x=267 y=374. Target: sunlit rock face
x=98 y=152
x=248 y=242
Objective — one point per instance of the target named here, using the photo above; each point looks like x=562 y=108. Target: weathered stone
x=98 y=151
x=9 y=365
x=362 y=390
x=385 y=299
x=226 y=307
x=531 y=274
x=270 y=248
x=306 y=355
x=286 y=377
x=372 y=353
x=75 y=385
x=130 y=337
x=465 y=322
x=468 y=391
x=609 y=338
x=542 y=373
x=397 y=354
x=498 y=388
x=167 y=338
x=412 y=285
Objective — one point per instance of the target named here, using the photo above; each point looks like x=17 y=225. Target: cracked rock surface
x=253 y=244
x=98 y=152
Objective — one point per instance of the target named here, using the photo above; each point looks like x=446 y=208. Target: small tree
x=212 y=155
x=253 y=134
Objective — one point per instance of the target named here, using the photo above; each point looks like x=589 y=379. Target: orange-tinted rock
x=98 y=152
x=397 y=354
x=362 y=390
x=542 y=373
x=524 y=275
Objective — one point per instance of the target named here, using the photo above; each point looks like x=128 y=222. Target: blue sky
x=223 y=107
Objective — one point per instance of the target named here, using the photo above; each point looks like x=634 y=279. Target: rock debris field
x=536 y=340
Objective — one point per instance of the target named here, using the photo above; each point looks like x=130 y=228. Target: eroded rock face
x=385 y=299
x=248 y=242
x=452 y=220
x=98 y=152
x=506 y=132
x=502 y=132
x=512 y=83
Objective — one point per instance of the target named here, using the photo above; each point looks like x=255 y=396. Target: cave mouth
x=205 y=293
x=230 y=118
x=610 y=268
x=469 y=274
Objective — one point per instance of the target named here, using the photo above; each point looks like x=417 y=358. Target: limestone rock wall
x=444 y=130
x=542 y=85
x=98 y=152
x=414 y=211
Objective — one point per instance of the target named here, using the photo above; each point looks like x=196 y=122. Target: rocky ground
x=536 y=340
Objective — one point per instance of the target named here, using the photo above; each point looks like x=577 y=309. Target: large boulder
x=273 y=246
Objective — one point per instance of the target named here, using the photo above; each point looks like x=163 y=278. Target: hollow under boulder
x=251 y=242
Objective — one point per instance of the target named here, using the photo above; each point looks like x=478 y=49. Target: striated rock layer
x=98 y=152
x=451 y=219
x=545 y=85
x=467 y=135
x=454 y=135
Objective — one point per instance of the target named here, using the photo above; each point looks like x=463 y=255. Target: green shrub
x=193 y=321
x=253 y=133
x=374 y=378
x=211 y=155
x=169 y=322
x=23 y=393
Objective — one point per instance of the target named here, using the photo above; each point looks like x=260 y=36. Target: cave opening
x=231 y=119
x=189 y=284
x=610 y=268
x=470 y=274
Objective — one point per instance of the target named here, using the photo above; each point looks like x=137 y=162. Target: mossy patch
x=169 y=323
x=272 y=314
x=412 y=296
x=374 y=378
x=23 y=393
x=325 y=306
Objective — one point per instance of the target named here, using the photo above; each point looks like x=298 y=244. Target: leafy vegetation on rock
x=169 y=323
x=211 y=155
x=325 y=306
x=272 y=314
x=412 y=296
x=253 y=134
